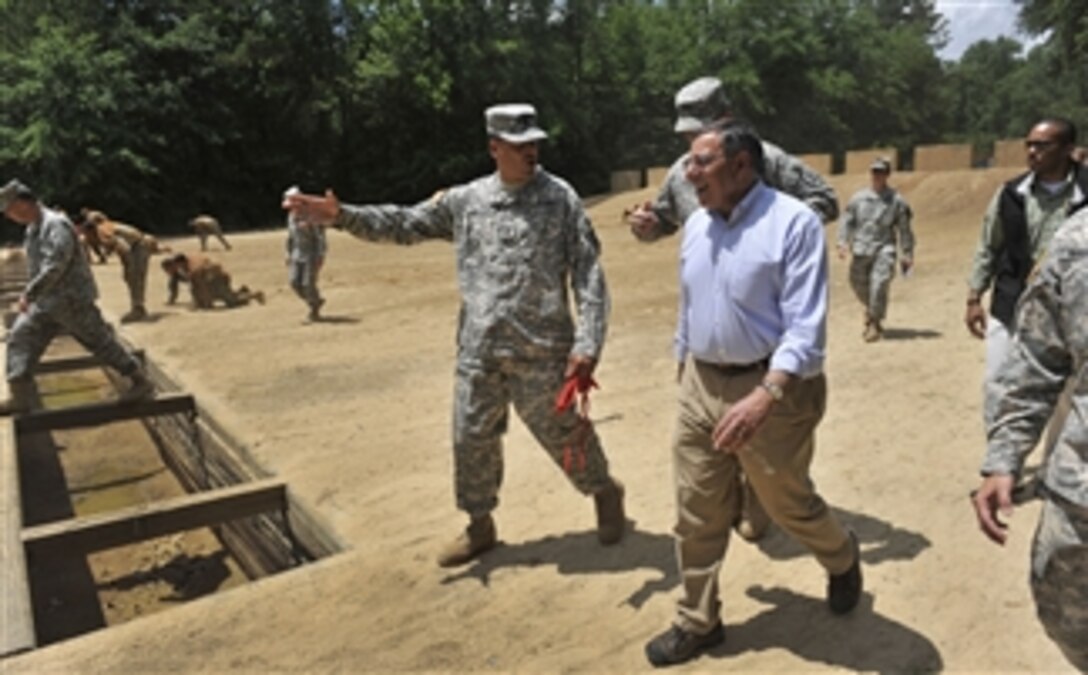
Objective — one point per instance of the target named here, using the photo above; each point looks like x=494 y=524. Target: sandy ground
x=354 y=413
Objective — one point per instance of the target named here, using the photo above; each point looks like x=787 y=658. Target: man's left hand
x=23 y=305
x=742 y=421
x=582 y=366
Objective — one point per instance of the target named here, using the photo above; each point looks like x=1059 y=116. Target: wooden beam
x=85 y=362
x=16 y=616
x=157 y=519
x=102 y=413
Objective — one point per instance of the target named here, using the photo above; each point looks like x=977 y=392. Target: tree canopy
x=156 y=110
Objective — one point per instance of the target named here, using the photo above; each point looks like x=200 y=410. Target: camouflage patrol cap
x=12 y=191
x=513 y=123
x=881 y=165
x=700 y=103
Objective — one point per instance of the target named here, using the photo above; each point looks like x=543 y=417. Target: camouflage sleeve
x=290 y=244
x=906 y=232
x=792 y=176
x=989 y=242
x=666 y=206
x=1022 y=396
x=430 y=219
x=322 y=242
x=58 y=245
x=587 y=281
x=848 y=224
x=172 y=289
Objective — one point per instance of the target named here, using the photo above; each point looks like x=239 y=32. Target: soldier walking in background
x=522 y=237
x=207 y=226
x=306 y=248
x=60 y=295
x=208 y=282
x=876 y=219
x=700 y=105
x=1046 y=359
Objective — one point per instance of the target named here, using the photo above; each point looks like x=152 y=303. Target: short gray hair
x=737 y=136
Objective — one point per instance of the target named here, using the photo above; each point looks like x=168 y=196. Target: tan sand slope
x=355 y=415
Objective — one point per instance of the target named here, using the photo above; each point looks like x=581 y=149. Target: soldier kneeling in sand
x=208 y=282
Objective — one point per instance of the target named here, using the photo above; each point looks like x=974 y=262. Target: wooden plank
x=158 y=519
x=85 y=362
x=102 y=413
x=16 y=615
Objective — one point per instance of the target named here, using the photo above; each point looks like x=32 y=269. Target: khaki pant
x=776 y=462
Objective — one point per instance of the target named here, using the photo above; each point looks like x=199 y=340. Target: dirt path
x=354 y=413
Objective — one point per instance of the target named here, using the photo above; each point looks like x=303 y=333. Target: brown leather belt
x=734 y=369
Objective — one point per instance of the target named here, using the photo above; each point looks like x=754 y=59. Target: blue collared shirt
x=754 y=286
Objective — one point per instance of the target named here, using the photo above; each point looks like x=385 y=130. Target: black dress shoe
x=677 y=645
x=844 y=590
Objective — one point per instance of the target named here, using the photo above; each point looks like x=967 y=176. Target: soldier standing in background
x=306 y=248
x=206 y=226
x=1046 y=358
x=700 y=105
x=60 y=295
x=876 y=218
x=208 y=282
x=522 y=237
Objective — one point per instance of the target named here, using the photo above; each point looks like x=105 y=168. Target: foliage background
x=156 y=110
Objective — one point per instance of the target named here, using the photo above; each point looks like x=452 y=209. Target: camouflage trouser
x=871 y=277
x=304 y=280
x=35 y=329
x=482 y=396
x=134 y=263
x=1059 y=577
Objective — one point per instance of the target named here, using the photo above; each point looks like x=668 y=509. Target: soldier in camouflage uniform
x=876 y=218
x=306 y=248
x=206 y=226
x=1048 y=353
x=521 y=237
x=701 y=104
x=60 y=295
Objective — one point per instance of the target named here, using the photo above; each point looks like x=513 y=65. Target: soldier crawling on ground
x=208 y=282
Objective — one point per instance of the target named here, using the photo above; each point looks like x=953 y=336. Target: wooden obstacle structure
x=942 y=157
x=858 y=161
x=265 y=528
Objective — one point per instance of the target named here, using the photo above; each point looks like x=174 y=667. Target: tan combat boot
x=20 y=396
x=611 y=519
x=477 y=538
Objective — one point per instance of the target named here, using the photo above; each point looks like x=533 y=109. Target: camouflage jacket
x=1050 y=348
x=58 y=272
x=676 y=200
x=874 y=221
x=517 y=252
x=304 y=242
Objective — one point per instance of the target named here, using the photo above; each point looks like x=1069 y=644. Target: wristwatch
x=773 y=389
